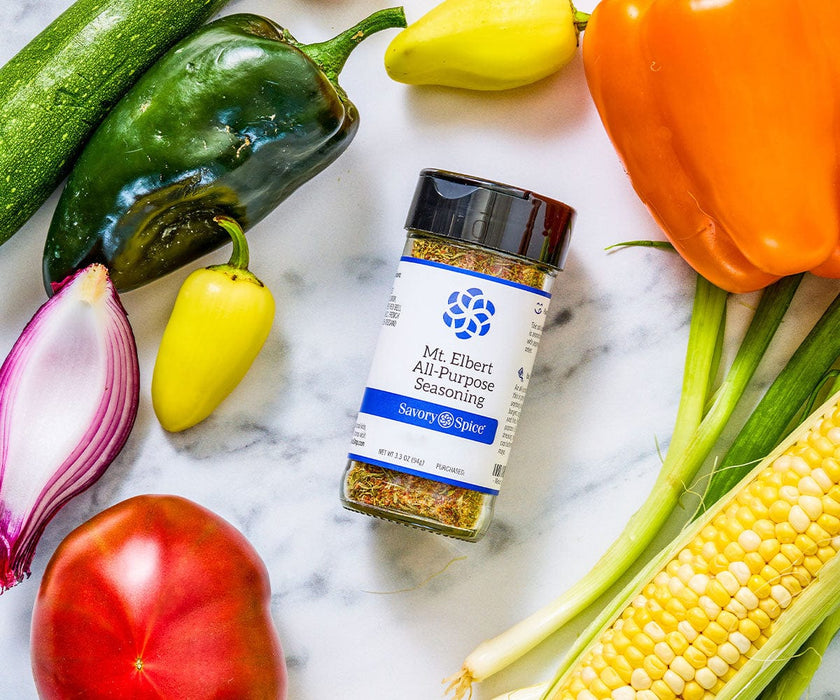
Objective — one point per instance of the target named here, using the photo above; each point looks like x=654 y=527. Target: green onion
x=694 y=436
x=771 y=420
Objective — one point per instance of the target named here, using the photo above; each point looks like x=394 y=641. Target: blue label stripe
x=424 y=475
x=432 y=416
x=480 y=275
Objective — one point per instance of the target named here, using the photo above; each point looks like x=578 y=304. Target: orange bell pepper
x=726 y=116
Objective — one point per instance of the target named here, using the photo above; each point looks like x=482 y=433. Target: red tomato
x=156 y=597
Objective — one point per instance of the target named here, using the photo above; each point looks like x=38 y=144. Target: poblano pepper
x=229 y=122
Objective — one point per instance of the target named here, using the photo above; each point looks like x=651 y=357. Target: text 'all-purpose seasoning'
x=455 y=353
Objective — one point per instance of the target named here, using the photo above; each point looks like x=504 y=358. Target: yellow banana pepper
x=220 y=321
x=486 y=44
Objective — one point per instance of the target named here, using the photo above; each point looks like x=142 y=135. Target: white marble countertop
x=368 y=609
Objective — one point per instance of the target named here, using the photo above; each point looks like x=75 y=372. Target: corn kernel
x=760 y=618
x=801 y=462
x=801 y=574
x=623 y=693
x=798 y=518
x=831 y=468
x=599 y=689
x=736 y=609
x=734 y=551
x=749 y=540
x=811 y=505
x=808 y=486
x=665 y=620
x=740 y=642
x=598 y=662
x=770 y=607
x=829 y=522
x=769 y=574
x=646 y=695
x=728 y=581
x=662 y=691
x=640 y=680
x=674 y=682
x=716 y=632
x=781 y=463
x=706 y=645
x=813 y=564
x=588 y=674
x=765 y=529
x=729 y=653
x=718 y=666
x=654 y=667
x=794 y=554
x=654 y=631
x=781 y=595
x=643 y=643
x=634 y=656
x=767 y=494
x=696 y=657
x=705 y=678
x=830 y=506
x=698 y=583
x=727 y=620
x=709 y=606
x=697 y=619
x=687 y=631
x=789 y=493
x=675 y=607
x=758 y=586
x=611 y=679
x=718 y=563
x=620 y=642
x=806 y=545
x=780 y=563
x=741 y=572
x=624 y=668
x=745 y=517
x=677 y=642
x=693 y=691
x=664 y=652
x=747 y=598
x=718 y=593
x=825 y=554
x=778 y=511
x=769 y=547
x=791 y=583
x=749 y=629
x=754 y=561
x=682 y=668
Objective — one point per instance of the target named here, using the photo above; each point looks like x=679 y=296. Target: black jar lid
x=487 y=213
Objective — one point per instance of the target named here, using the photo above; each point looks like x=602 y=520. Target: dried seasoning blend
x=455 y=353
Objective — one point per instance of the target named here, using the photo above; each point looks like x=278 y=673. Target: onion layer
x=69 y=391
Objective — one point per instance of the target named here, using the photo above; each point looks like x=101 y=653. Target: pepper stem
x=239 y=257
x=331 y=55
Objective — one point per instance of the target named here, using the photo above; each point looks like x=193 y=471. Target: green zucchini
x=55 y=92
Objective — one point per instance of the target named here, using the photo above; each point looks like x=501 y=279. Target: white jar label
x=449 y=374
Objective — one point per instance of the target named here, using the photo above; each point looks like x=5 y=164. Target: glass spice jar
x=455 y=353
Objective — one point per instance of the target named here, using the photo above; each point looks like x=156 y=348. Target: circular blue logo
x=446 y=419
x=468 y=313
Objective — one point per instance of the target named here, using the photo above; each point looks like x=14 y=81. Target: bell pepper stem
x=581 y=19
x=239 y=256
x=331 y=55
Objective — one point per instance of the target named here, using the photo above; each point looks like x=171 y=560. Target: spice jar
x=455 y=353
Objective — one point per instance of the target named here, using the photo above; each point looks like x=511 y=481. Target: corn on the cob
x=723 y=607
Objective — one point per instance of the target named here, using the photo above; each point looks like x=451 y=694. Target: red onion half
x=69 y=391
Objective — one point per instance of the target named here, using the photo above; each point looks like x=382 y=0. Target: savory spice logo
x=468 y=313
